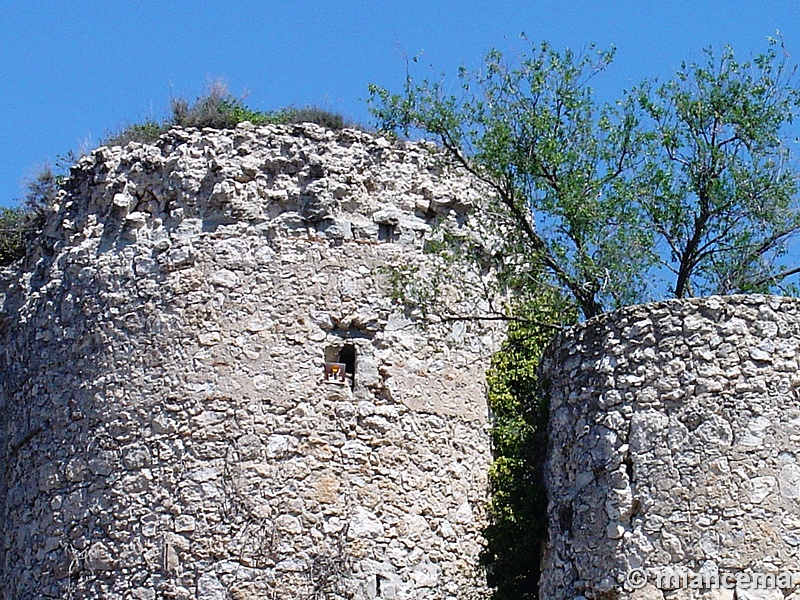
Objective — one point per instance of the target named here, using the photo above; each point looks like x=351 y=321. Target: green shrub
x=12 y=234
x=43 y=189
x=144 y=133
x=219 y=109
x=318 y=116
x=517 y=529
x=22 y=222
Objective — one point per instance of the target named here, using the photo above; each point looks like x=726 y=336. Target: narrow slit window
x=347 y=356
x=387 y=232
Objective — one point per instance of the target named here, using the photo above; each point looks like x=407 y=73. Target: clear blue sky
x=72 y=71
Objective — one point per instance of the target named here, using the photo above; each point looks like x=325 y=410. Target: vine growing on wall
x=517 y=530
x=466 y=279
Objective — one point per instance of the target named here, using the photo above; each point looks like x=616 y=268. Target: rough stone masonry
x=167 y=430
x=674 y=448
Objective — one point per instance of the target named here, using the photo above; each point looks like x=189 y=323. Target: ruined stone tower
x=673 y=467
x=207 y=391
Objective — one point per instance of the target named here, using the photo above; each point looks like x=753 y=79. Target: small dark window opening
x=347 y=356
x=378 y=580
x=387 y=232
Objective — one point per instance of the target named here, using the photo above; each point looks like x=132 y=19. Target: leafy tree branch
x=691 y=177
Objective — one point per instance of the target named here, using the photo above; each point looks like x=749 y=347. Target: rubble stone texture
x=674 y=432
x=166 y=428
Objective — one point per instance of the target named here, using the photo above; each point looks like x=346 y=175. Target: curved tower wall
x=674 y=448
x=167 y=431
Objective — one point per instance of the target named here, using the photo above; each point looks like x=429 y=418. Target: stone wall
x=166 y=428
x=674 y=431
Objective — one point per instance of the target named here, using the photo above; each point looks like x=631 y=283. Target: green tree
x=560 y=165
x=693 y=175
x=723 y=184
x=592 y=203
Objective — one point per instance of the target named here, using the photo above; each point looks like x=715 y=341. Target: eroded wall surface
x=674 y=432
x=167 y=431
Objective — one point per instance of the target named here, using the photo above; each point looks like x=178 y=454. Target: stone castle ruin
x=208 y=391
x=673 y=466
